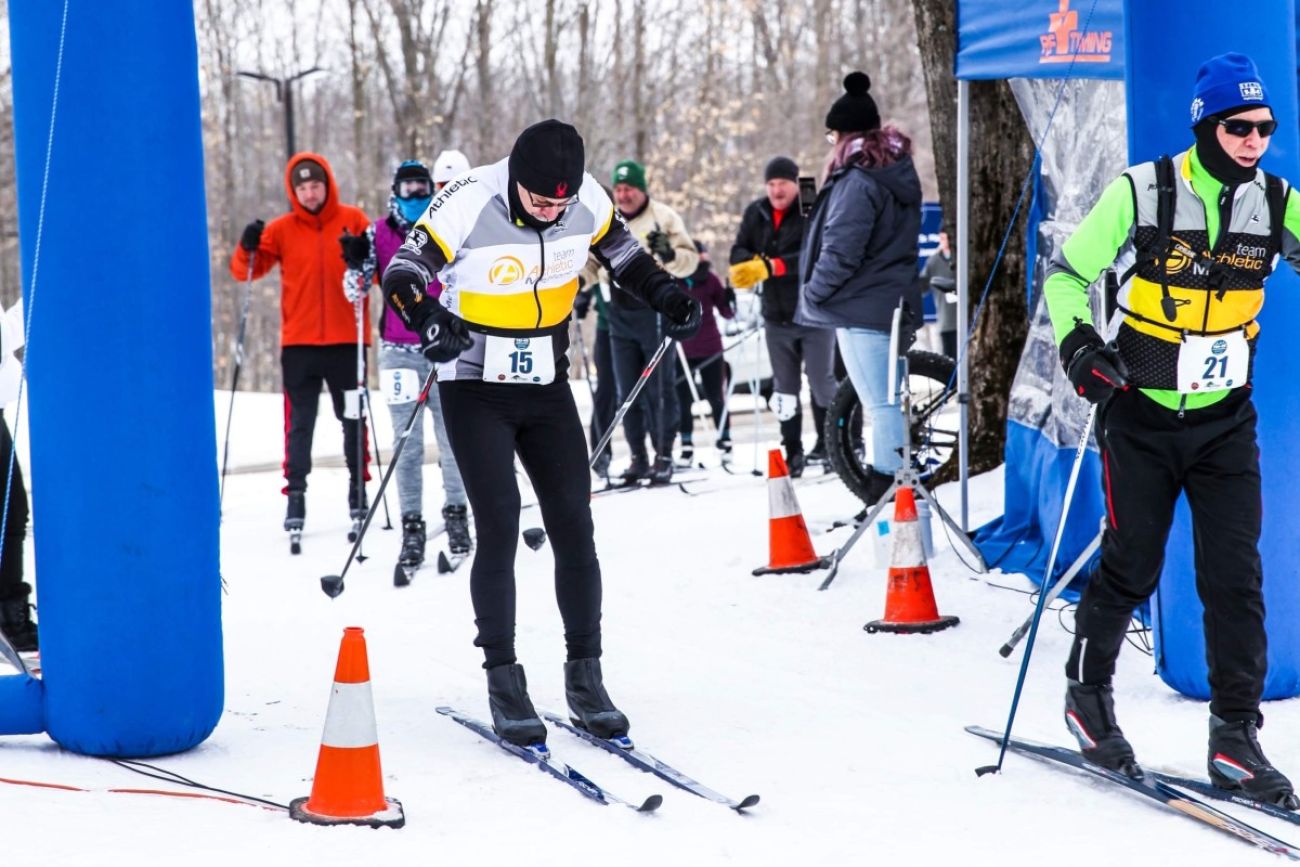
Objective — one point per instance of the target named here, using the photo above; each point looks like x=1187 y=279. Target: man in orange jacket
x=318 y=328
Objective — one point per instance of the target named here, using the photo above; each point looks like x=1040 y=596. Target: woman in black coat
x=859 y=258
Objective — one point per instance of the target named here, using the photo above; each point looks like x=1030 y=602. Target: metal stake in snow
x=1042 y=596
x=333 y=584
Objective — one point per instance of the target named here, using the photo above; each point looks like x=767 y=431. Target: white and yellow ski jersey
x=504 y=277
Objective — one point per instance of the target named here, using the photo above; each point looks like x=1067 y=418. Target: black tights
x=488 y=424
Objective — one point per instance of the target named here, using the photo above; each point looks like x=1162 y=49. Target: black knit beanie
x=855 y=111
x=781 y=167
x=548 y=159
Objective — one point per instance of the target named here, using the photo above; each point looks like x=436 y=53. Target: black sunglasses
x=1242 y=128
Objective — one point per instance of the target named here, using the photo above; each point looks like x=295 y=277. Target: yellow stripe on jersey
x=1238 y=307
x=595 y=239
x=519 y=309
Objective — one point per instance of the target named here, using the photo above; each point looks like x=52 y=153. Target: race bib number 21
x=1214 y=362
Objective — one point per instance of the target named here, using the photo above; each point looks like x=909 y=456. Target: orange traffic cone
x=349 y=785
x=789 y=547
x=909 y=602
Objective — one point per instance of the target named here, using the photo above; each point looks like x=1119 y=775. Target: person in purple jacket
x=704 y=353
x=403 y=369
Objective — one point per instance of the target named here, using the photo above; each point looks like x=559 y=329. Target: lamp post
x=284 y=93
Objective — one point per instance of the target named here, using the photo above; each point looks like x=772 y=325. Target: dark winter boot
x=413 y=535
x=637 y=470
x=687 y=456
x=877 y=485
x=456 y=520
x=795 y=462
x=589 y=703
x=1090 y=716
x=662 y=472
x=818 y=453
x=513 y=717
x=296 y=511
x=358 y=503
x=1236 y=761
x=16 y=620
x=601 y=466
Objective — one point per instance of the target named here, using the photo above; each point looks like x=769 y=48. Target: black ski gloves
x=252 y=235
x=444 y=336
x=356 y=249
x=684 y=314
x=660 y=246
x=582 y=304
x=1092 y=365
x=729 y=296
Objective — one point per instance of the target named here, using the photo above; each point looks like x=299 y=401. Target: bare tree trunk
x=640 y=134
x=483 y=70
x=1001 y=154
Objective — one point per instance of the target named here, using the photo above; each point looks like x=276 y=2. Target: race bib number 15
x=518 y=360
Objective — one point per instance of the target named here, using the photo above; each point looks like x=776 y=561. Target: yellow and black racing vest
x=1180 y=285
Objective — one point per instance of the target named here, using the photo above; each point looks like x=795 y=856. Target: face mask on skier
x=413 y=208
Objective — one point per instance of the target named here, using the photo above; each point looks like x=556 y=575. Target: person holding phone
x=767 y=252
x=859 y=260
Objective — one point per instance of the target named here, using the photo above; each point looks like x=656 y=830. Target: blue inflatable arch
x=113 y=230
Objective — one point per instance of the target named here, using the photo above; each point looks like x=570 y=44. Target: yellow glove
x=745 y=274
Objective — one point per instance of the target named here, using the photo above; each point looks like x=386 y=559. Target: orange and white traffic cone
x=790 y=548
x=349 y=786
x=909 y=601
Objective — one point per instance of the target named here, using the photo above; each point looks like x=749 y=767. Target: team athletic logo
x=1178 y=259
x=505 y=271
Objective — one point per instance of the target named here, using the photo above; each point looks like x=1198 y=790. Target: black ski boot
x=513 y=717
x=295 y=514
x=687 y=457
x=358 y=505
x=16 y=620
x=1237 y=762
x=456 y=520
x=662 y=472
x=413 y=535
x=795 y=463
x=636 y=471
x=589 y=703
x=1090 y=716
x=601 y=466
x=818 y=453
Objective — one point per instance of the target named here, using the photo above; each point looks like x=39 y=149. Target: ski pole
x=1061 y=583
x=363 y=407
x=234 y=380
x=636 y=389
x=333 y=584
x=361 y=410
x=1042 y=597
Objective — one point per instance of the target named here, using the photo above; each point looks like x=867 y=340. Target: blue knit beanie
x=1226 y=82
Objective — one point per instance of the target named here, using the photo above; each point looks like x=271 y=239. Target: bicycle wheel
x=933 y=423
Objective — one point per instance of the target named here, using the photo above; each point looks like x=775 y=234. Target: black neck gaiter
x=518 y=212
x=1224 y=168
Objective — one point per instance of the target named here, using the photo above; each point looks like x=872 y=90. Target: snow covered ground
x=854 y=741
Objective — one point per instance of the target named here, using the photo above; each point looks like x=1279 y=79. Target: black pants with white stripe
x=1149 y=457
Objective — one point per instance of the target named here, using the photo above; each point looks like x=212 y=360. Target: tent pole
x=963 y=289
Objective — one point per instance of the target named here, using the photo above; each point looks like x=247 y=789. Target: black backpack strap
x=1276 y=194
x=1165 y=207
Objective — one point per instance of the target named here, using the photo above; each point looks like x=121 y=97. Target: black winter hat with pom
x=855 y=111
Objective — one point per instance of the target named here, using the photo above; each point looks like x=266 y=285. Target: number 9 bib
x=1214 y=362
x=519 y=360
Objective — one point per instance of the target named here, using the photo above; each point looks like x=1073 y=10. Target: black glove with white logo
x=683 y=314
x=1092 y=365
x=443 y=337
